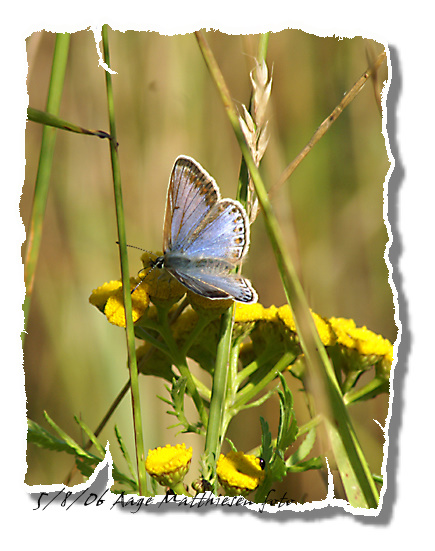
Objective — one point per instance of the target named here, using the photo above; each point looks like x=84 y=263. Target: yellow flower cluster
x=333 y=331
x=265 y=326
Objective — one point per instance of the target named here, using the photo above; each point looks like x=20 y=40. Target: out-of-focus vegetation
x=330 y=210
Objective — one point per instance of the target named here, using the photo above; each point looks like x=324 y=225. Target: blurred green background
x=331 y=213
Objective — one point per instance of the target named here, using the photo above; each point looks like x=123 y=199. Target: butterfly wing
x=211 y=278
x=222 y=234
x=191 y=195
x=204 y=237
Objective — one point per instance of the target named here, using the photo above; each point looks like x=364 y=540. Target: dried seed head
x=254 y=124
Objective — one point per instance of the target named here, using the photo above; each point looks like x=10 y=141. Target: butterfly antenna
x=155 y=265
x=134 y=247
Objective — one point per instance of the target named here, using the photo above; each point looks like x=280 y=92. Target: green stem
x=370 y=390
x=262 y=46
x=132 y=363
x=213 y=440
x=350 y=381
x=179 y=360
x=60 y=57
x=251 y=390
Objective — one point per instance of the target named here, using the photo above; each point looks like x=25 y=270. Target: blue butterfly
x=204 y=236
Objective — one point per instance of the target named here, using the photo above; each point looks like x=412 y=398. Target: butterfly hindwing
x=223 y=233
x=212 y=278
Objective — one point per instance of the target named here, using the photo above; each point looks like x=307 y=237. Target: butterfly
x=204 y=237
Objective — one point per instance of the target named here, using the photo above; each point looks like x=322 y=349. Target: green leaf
x=91 y=436
x=70 y=442
x=177 y=393
x=43 y=439
x=125 y=454
x=266 y=451
x=233 y=447
x=85 y=461
x=49 y=119
x=304 y=449
x=313 y=463
x=288 y=428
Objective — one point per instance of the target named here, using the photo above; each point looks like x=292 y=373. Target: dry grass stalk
x=254 y=124
x=326 y=124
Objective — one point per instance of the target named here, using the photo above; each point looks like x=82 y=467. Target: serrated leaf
x=43 y=439
x=232 y=446
x=78 y=450
x=310 y=464
x=278 y=469
x=288 y=428
x=85 y=462
x=177 y=393
x=90 y=435
x=304 y=448
x=266 y=450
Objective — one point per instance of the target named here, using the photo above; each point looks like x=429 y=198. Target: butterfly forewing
x=191 y=195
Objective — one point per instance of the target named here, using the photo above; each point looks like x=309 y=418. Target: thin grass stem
x=132 y=363
x=328 y=122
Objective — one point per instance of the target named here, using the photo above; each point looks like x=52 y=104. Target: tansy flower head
x=100 y=295
x=109 y=299
x=326 y=333
x=169 y=465
x=364 y=346
x=208 y=306
x=249 y=313
x=238 y=473
x=159 y=283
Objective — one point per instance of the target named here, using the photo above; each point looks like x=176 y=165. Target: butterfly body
x=204 y=237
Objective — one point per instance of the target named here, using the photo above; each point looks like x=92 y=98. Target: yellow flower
x=246 y=313
x=159 y=284
x=109 y=299
x=343 y=329
x=238 y=473
x=215 y=307
x=100 y=295
x=365 y=342
x=169 y=465
x=326 y=333
x=286 y=316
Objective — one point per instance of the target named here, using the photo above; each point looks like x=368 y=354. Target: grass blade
x=49 y=119
x=42 y=183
